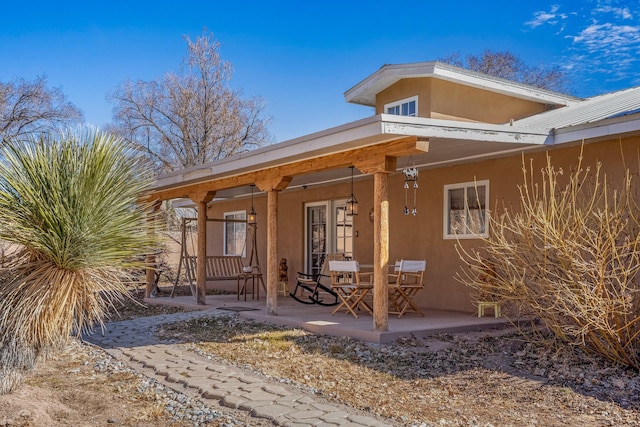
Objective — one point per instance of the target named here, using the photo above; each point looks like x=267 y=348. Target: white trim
x=224 y=233
x=446 y=209
x=361 y=133
x=618 y=126
x=365 y=92
x=400 y=103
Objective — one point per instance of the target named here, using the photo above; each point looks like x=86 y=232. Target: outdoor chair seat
x=404 y=284
x=351 y=291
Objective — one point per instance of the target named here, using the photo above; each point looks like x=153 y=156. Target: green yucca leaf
x=70 y=205
x=73 y=199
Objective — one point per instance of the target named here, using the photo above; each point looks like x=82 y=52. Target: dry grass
x=74 y=387
x=463 y=380
x=466 y=379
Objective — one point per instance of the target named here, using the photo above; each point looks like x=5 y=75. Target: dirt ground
x=71 y=389
x=83 y=386
x=475 y=379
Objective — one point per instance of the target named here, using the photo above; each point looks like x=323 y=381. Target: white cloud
x=542 y=17
x=608 y=37
x=603 y=36
x=620 y=12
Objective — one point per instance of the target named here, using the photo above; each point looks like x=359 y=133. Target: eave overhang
x=616 y=127
x=365 y=142
x=364 y=93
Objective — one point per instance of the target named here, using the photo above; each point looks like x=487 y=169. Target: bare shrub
x=569 y=256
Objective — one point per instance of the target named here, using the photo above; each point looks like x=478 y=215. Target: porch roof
x=431 y=142
x=619 y=104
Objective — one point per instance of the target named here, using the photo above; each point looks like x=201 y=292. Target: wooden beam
x=150 y=259
x=396 y=148
x=277 y=183
x=201 y=255
x=272 y=252
x=374 y=164
x=202 y=196
x=380 y=252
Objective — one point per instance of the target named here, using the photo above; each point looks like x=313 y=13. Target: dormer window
x=404 y=107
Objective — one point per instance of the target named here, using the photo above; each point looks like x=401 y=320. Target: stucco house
x=466 y=134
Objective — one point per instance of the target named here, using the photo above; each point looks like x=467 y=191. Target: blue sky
x=301 y=56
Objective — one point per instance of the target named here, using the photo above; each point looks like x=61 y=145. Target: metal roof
x=591 y=110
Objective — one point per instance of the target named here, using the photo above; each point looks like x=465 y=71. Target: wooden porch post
x=272 y=187
x=380 y=252
x=380 y=167
x=201 y=198
x=272 y=253
x=150 y=259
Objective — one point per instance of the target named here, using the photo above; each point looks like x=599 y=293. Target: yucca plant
x=70 y=208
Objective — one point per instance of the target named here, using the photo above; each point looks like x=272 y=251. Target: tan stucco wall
x=406 y=88
x=440 y=99
x=418 y=236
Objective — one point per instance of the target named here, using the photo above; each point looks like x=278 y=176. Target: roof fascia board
x=361 y=133
x=616 y=127
x=391 y=72
x=471 y=131
x=351 y=135
x=505 y=87
x=365 y=91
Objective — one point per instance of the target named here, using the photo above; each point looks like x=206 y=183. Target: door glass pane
x=343 y=231
x=235 y=234
x=316 y=237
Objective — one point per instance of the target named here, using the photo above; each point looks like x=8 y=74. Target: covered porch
x=376 y=146
x=318 y=319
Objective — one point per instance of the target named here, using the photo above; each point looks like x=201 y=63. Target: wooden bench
x=218 y=267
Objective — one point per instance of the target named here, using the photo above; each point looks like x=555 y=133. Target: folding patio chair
x=345 y=281
x=316 y=288
x=404 y=284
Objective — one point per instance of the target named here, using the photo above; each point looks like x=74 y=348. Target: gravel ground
x=491 y=378
x=176 y=406
x=472 y=379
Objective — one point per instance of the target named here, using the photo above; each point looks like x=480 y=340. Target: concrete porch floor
x=318 y=319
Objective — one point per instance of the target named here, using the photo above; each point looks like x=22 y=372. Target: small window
x=405 y=107
x=465 y=210
x=235 y=233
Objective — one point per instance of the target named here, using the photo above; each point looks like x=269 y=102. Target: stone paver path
x=133 y=342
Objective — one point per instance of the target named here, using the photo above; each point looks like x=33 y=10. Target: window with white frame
x=465 y=210
x=404 y=107
x=235 y=233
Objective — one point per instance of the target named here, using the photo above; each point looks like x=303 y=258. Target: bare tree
x=32 y=107
x=509 y=66
x=193 y=117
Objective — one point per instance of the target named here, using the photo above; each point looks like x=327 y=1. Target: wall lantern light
x=253 y=217
x=352 y=203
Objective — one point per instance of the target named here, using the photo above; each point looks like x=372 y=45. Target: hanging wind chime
x=410 y=176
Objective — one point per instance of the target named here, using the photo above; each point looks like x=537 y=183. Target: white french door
x=328 y=229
